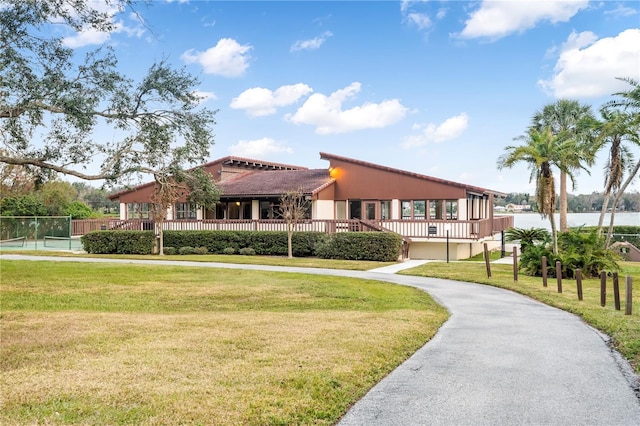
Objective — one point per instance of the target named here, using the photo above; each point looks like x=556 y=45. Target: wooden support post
x=616 y=291
x=603 y=288
x=628 y=305
x=544 y=271
x=579 y=283
x=487 y=261
x=559 y=275
x=515 y=264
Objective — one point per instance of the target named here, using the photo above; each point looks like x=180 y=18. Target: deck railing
x=430 y=229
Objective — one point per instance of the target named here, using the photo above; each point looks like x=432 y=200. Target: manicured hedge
x=376 y=246
x=118 y=242
x=266 y=243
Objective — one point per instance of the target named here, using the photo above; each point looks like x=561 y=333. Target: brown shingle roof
x=274 y=182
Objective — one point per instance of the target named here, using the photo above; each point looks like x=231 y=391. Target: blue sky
x=433 y=87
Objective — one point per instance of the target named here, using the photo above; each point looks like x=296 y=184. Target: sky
x=433 y=87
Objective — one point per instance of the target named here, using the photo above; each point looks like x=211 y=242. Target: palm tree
x=622 y=123
x=541 y=150
x=616 y=128
x=566 y=120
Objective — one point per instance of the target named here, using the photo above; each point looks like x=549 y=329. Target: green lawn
x=149 y=344
x=624 y=330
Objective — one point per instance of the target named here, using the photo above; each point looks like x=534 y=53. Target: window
x=452 y=209
x=185 y=211
x=419 y=209
x=435 y=209
x=138 y=211
x=246 y=210
x=406 y=209
x=385 y=210
x=234 y=210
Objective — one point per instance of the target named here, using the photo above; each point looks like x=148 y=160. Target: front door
x=370 y=211
x=355 y=209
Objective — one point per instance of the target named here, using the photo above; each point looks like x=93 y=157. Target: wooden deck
x=425 y=229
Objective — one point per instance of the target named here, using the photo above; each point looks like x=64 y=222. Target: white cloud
x=312 y=44
x=259 y=148
x=86 y=37
x=621 y=10
x=258 y=101
x=496 y=19
x=227 y=58
x=90 y=36
x=588 y=67
x=420 y=20
x=325 y=112
x=451 y=128
x=205 y=96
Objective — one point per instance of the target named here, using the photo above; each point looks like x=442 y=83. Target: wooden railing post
x=515 y=264
x=486 y=260
x=603 y=288
x=559 y=275
x=544 y=271
x=616 y=291
x=629 y=301
x=579 y=283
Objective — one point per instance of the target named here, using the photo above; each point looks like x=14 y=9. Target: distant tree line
x=582 y=203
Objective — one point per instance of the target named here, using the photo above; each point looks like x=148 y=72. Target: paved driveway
x=501 y=359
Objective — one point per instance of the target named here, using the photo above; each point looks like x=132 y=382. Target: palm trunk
x=563 y=202
x=603 y=211
x=554 y=233
x=617 y=198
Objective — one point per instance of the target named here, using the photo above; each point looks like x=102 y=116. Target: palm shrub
x=526 y=237
x=577 y=249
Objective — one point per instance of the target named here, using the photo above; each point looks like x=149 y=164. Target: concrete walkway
x=501 y=359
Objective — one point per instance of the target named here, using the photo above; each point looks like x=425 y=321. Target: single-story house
x=438 y=218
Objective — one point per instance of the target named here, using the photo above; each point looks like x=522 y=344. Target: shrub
x=169 y=250
x=200 y=250
x=269 y=243
x=186 y=250
x=229 y=250
x=577 y=249
x=376 y=246
x=247 y=251
x=118 y=242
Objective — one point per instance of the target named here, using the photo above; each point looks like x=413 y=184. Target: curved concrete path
x=501 y=359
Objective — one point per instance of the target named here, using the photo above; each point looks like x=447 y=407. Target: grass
x=624 y=330
x=149 y=344
x=303 y=262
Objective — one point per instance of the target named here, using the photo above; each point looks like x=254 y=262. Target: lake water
x=534 y=220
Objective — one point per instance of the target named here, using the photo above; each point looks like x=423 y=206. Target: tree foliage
x=53 y=102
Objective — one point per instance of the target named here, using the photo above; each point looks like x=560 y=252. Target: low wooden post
x=487 y=261
x=559 y=275
x=544 y=271
x=579 y=283
x=628 y=307
x=515 y=264
x=616 y=291
x=603 y=288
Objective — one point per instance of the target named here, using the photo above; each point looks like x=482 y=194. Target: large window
x=435 y=209
x=185 y=211
x=138 y=211
x=419 y=209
